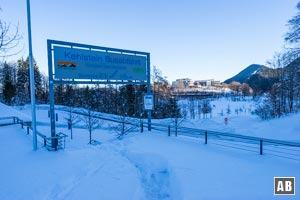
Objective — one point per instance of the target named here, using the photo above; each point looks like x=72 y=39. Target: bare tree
x=71 y=119
x=199 y=108
x=91 y=122
x=126 y=124
x=175 y=114
x=9 y=38
x=183 y=110
x=206 y=108
x=162 y=92
x=191 y=104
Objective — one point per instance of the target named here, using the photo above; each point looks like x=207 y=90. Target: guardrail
x=263 y=146
x=279 y=148
x=5 y=121
x=59 y=139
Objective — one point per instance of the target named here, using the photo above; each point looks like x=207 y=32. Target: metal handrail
x=60 y=136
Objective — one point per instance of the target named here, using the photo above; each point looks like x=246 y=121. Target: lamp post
x=32 y=88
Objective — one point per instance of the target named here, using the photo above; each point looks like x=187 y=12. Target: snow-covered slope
x=242 y=121
x=7 y=111
x=144 y=166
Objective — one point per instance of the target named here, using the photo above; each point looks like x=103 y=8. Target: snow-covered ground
x=144 y=166
x=242 y=121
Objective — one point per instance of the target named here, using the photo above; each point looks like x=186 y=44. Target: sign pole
x=148 y=89
x=32 y=88
x=51 y=93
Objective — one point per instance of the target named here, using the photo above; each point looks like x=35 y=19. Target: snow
x=6 y=111
x=255 y=72
x=144 y=166
x=242 y=121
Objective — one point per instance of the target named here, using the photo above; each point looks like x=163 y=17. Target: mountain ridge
x=244 y=75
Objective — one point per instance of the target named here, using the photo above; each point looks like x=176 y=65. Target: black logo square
x=284 y=185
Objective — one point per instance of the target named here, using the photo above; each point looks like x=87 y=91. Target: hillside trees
x=292 y=37
x=162 y=95
x=288 y=64
x=285 y=94
x=15 y=83
x=113 y=99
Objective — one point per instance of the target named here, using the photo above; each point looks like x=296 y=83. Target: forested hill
x=246 y=73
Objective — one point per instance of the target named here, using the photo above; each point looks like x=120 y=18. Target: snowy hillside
x=144 y=166
x=242 y=121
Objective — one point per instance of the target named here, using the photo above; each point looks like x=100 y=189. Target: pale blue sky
x=198 y=39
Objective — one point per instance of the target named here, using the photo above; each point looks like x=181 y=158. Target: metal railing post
x=205 y=137
x=169 y=130
x=142 y=126
x=261 y=147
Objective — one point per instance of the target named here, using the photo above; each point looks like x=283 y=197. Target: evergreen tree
x=129 y=102
x=68 y=95
x=44 y=96
x=9 y=87
x=23 y=81
x=37 y=82
x=59 y=94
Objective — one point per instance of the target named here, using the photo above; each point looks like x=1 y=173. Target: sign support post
x=51 y=93
x=148 y=89
x=148 y=106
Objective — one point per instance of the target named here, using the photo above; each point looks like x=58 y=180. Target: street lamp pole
x=32 y=88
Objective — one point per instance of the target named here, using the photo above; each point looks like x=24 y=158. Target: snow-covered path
x=86 y=173
x=144 y=166
x=155 y=175
x=213 y=172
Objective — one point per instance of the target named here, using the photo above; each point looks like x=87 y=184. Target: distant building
x=210 y=82
x=216 y=83
x=182 y=83
x=187 y=84
x=204 y=83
